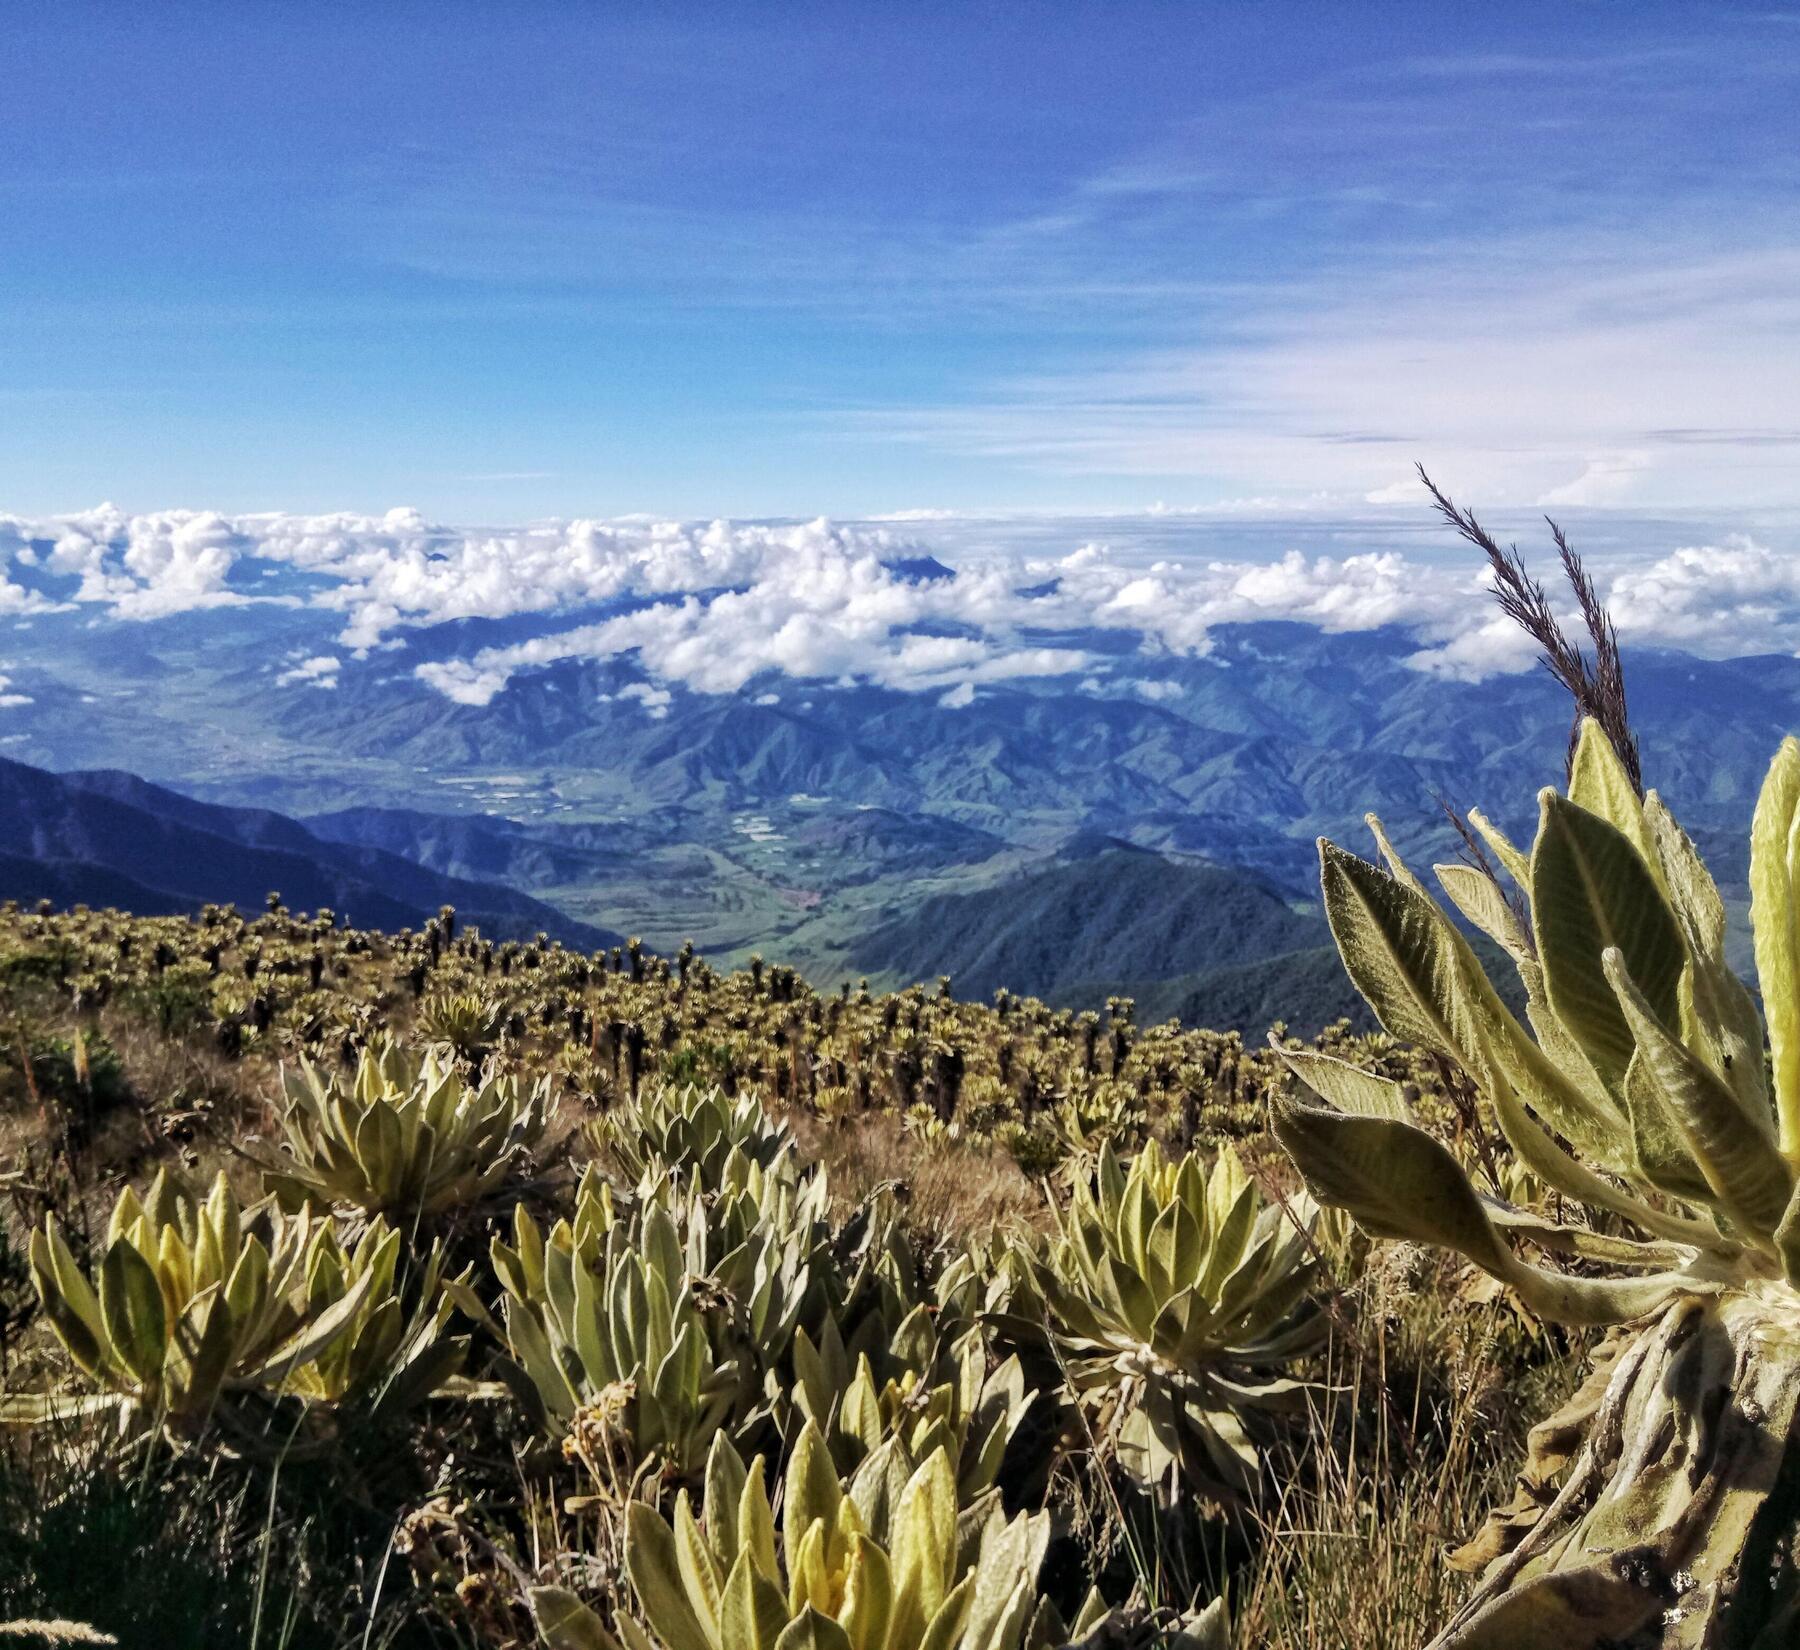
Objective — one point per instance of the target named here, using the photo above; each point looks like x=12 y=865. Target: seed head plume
x=1598 y=685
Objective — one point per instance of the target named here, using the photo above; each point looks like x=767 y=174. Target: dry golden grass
x=1418 y=1430
x=951 y=1188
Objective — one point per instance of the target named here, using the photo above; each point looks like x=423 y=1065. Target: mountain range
x=847 y=827
x=110 y=838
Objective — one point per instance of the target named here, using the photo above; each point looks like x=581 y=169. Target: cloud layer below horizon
x=712 y=606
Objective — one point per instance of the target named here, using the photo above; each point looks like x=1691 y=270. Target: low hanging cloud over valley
x=713 y=606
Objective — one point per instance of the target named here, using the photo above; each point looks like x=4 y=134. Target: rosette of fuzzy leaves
x=407 y=1136
x=837 y=1571
x=464 y=1022
x=932 y=1393
x=390 y=1356
x=1100 y=1111
x=1640 y=1094
x=667 y=1323
x=1175 y=1298
x=690 y=1132
x=200 y=1304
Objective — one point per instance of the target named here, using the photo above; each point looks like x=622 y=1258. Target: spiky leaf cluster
x=1176 y=1298
x=467 y=1023
x=692 y=1131
x=408 y=1135
x=849 y=1569
x=198 y=1304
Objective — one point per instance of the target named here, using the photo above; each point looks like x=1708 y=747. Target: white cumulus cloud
x=713 y=606
x=1739 y=597
x=320 y=671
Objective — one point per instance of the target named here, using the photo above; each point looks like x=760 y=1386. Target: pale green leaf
x=700 y=1571
x=131 y=1304
x=655 y=1571
x=1399 y=1182
x=725 y=1477
x=1590 y=892
x=811 y=1493
x=868 y=1596
x=1347 y=1087
x=753 y=1612
x=1517 y=865
x=924 y=1540
x=1775 y=923
x=1484 y=903
x=1599 y=783
x=812 y=1631
x=1749 y=1177
x=566 y=1623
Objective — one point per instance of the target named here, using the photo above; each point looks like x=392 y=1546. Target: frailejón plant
x=389 y=1357
x=689 y=1131
x=198 y=1304
x=408 y=1136
x=836 y=1575
x=936 y=1395
x=1658 y=1508
x=1175 y=1298
x=464 y=1022
x=662 y=1325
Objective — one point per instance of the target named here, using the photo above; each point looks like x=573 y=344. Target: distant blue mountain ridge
x=110 y=838
x=868 y=800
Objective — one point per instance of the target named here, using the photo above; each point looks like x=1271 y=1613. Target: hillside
x=1279 y=732
x=480 y=847
x=869 y=842
x=70 y=882
x=1123 y=916
x=110 y=838
x=1307 y=990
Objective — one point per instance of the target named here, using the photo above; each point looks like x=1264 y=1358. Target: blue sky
x=505 y=262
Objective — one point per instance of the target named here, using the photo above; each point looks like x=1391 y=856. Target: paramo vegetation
x=406 y=1289
x=500 y=1243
